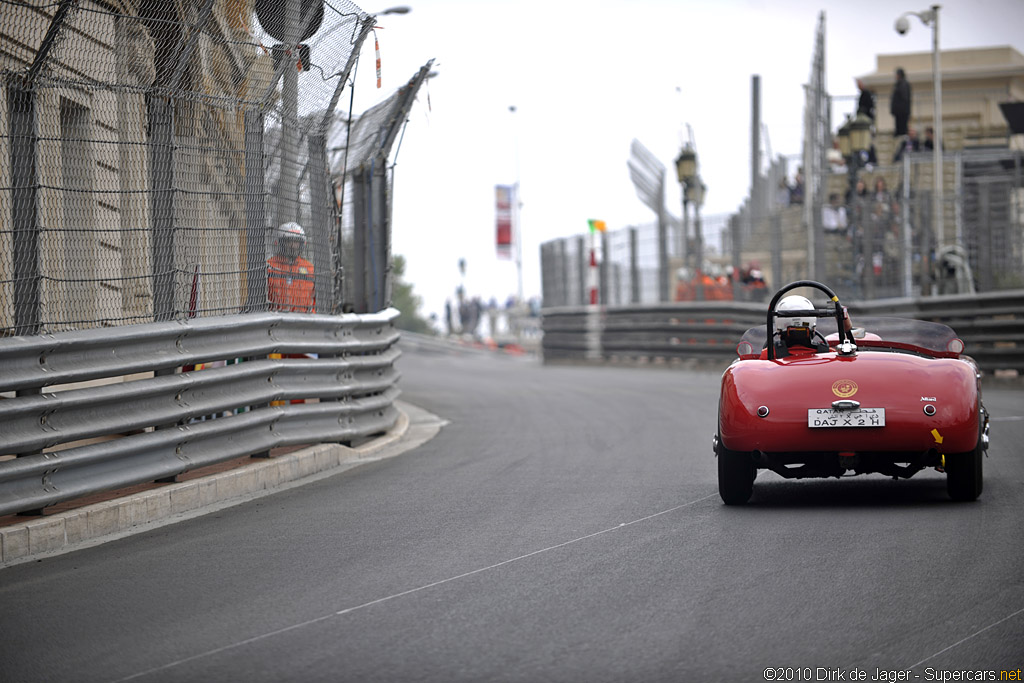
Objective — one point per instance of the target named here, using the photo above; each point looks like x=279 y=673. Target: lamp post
x=686 y=171
x=854 y=141
x=930 y=17
x=517 y=205
x=696 y=191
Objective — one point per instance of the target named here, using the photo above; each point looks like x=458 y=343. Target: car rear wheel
x=964 y=474
x=736 y=472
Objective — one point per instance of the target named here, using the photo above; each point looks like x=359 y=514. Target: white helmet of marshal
x=290 y=231
x=795 y=303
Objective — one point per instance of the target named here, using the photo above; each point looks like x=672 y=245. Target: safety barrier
x=95 y=410
x=991 y=326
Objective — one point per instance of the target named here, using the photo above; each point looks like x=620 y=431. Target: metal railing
x=990 y=324
x=94 y=410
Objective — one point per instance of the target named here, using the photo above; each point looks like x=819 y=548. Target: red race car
x=891 y=395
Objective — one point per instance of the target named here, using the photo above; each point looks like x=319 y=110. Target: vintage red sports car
x=886 y=395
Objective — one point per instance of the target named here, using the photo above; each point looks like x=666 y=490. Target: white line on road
x=964 y=640
x=424 y=587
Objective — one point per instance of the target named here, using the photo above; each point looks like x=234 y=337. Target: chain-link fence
x=148 y=150
x=877 y=234
x=891 y=244
x=628 y=261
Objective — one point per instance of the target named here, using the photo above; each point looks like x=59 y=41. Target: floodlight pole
x=930 y=17
x=516 y=207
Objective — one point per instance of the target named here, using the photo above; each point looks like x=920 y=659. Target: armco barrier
x=991 y=326
x=125 y=416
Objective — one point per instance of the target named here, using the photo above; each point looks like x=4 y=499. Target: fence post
x=382 y=242
x=161 y=148
x=21 y=109
x=984 y=271
x=927 y=237
x=737 y=243
x=777 y=277
x=563 y=271
x=581 y=272
x=320 y=228
x=24 y=218
x=663 y=274
x=634 y=268
x=603 y=271
x=361 y=226
x=255 y=214
x=906 y=241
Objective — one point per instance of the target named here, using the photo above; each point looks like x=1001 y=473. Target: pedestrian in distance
x=907 y=144
x=929 y=138
x=866 y=101
x=899 y=104
x=833 y=216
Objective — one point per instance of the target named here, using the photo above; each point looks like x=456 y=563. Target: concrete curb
x=112 y=519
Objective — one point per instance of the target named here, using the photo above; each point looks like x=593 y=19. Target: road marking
x=349 y=610
x=964 y=640
x=1007 y=418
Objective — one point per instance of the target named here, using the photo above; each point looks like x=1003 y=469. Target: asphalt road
x=565 y=525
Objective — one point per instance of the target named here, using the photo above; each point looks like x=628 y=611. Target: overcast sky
x=588 y=77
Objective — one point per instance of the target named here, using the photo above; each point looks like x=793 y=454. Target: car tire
x=736 y=472
x=964 y=474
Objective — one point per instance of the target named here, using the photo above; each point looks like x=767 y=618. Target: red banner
x=504 y=196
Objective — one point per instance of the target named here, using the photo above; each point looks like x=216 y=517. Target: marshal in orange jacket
x=290 y=285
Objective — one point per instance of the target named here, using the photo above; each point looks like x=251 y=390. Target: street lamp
x=930 y=17
x=695 y=191
x=854 y=144
x=686 y=171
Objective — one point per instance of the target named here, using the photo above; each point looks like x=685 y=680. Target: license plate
x=830 y=417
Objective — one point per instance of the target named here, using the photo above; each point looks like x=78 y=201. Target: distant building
x=974 y=82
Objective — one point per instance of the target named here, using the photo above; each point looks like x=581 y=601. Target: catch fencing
x=630 y=268
x=890 y=246
x=885 y=248
x=148 y=149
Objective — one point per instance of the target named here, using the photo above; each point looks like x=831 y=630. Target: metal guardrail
x=991 y=326
x=167 y=423
x=683 y=331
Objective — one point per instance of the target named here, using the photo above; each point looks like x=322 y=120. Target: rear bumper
x=838 y=463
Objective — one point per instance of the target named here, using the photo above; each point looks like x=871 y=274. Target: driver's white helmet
x=795 y=303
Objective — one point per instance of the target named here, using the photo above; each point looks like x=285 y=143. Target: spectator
x=929 y=138
x=835 y=158
x=899 y=106
x=782 y=195
x=796 y=192
x=833 y=216
x=881 y=194
x=860 y=193
x=908 y=144
x=289 y=276
x=866 y=101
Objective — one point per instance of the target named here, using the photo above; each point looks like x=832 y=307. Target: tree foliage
x=407 y=302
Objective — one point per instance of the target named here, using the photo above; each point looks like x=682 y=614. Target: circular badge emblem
x=844 y=388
